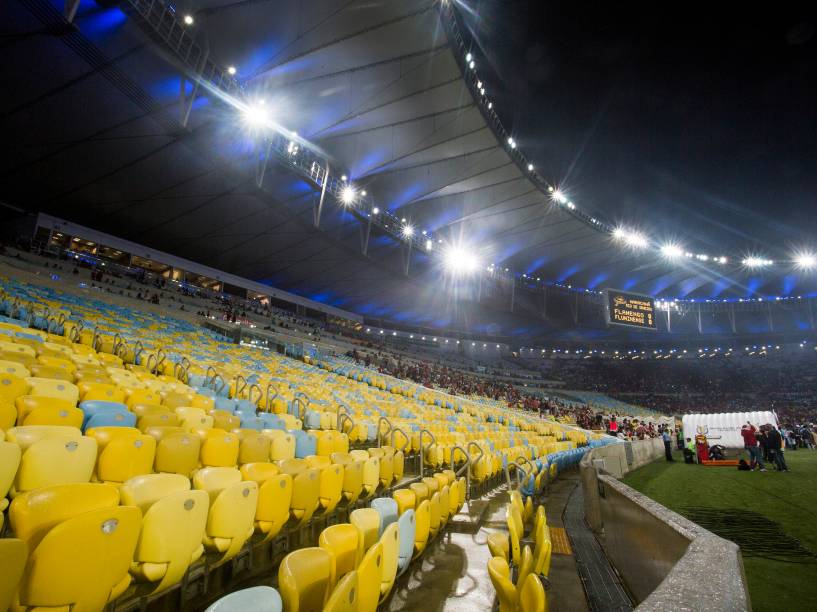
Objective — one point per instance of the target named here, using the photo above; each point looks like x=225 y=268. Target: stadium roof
x=383 y=92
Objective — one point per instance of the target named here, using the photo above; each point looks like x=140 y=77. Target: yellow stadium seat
x=173 y=524
x=95 y=391
x=52 y=455
x=344 y=597
x=532 y=595
x=420 y=490
x=50 y=415
x=177 y=452
x=14 y=553
x=305 y=496
x=433 y=485
x=218 y=448
x=542 y=550
x=53 y=372
x=306 y=577
x=434 y=516
x=12 y=387
x=371 y=477
x=9 y=462
x=225 y=420
x=158 y=418
x=398 y=466
x=9 y=351
x=8 y=415
x=390 y=540
x=453 y=499
x=59 y=389
x=525 y=565
x=352 y=481
x=26 y=404
x=515 y=531
x=331 y=487
x=369 y=575
x=172 y=400
x=202 y=401
x=56 y=577
x=386 y=469
x=359 y=455
x=499 y=544
x=445 y=506
x=282 y=445
x=422 y=527
x=345 y=542
x=143 y=396
x=405 y=499
x=230 y=521
x=194 y=418
x=274 y=497
x=122 y=453
x=500 y=574
x=254 y=448
x=367 y=520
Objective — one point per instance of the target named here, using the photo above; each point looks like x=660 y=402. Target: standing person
x=775 y=444
x=689 y=451
x=749 y=432
x=665 y=435
x=612 y=426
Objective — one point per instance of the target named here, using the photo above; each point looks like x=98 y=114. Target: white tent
x=724 y=428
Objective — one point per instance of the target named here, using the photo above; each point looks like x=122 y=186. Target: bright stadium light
x=407 y=231
x=375 y=210
x=530 y=167
x=188 y=19
x=255 y=116
x=672 y=251
x=805 y=261
x=460 y=261
x=757 y=262
x=429 y=245
x=232 y=70
x=559 y=197
x=635 y=240
x=348 y=195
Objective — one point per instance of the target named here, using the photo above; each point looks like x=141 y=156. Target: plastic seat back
x=230 y=521
x=420 y=491
x=371 y=477
x=55 y=459
x=369 y=573
x=445 y=506
x=96 y=391
x=48 y=415
x=219 y=449
x=391 y=549
x=56 y=577
x=434 y=516
x=406 y=500
x=58 y=389
x=282 y=447
x=12 y=387
x=274 y=501
x=331 y=487
x=110 y=418
x=406 y=526
x=352 y=480
x=305 y=496
x=122 y=453
x=423 y=527
x=398 y=466
x=14 y=553
x=305 y=444
x=173 y=524
x=387 y=508
x=177 y=453
x=257 y=599
x=500 y=574
x=306 y=577
x=254 y=449
x=532 y=595
x=367 y=520
x=344 y=597
x=345 y=542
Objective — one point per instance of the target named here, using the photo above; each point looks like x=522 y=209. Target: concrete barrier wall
x=666 y=561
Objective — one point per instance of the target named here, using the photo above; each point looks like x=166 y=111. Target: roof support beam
x=69 y=11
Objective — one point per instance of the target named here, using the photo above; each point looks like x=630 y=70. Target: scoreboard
x=630 y=309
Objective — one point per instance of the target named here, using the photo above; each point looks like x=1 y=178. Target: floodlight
x=348 y=195
x=407 y=231
x=805 y=261
x=375 y=210
x=458 y=260
x=671 y=251
x=231 y=70
x=188 y=19
x=255 y=116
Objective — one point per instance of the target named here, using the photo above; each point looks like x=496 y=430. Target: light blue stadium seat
x=111 y=418
x=406 y=527
x=257 y=599
x=272 y=421
x=387 y=508
x=253 y=422
x=305 y=444
x=93 y=407
x=225 y=403
x=244 y=405
x=312 y=419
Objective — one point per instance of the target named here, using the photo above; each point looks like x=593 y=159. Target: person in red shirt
x=748 y=432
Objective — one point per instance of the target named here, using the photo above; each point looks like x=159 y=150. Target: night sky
x=696 y=121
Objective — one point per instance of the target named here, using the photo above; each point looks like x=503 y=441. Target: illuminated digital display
x=630 y=309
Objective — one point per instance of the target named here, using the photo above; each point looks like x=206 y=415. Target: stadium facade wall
x=662 y=557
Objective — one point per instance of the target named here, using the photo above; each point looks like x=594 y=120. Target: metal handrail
x=208 y=380
x=388 y=431
x=268 y=406
x=155 y=363
x=342 y=418
x=481 y=453
x=423 y=449
x=260 y=394
x=519 y=469
x=343 y=410
x=243 y=386
x=466 y=467
x=223 y=383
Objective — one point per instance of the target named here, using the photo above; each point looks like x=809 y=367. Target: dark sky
x=696 y=119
